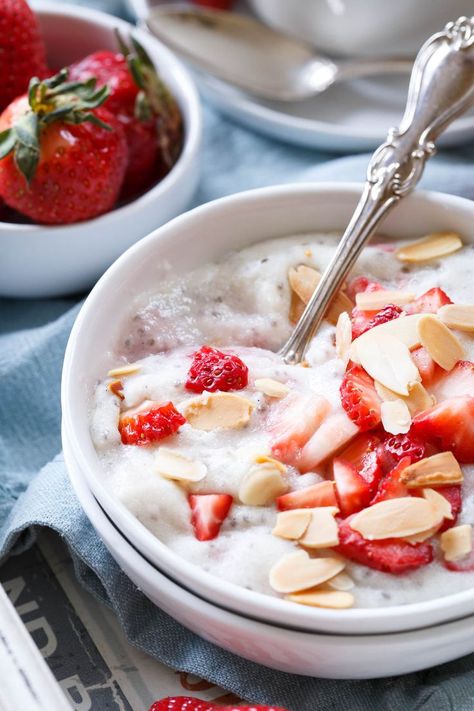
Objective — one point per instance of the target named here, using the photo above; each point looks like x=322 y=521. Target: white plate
x=352 y=116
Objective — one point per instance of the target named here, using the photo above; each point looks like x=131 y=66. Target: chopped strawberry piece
x=362 y=453
x=321 y=494
x=395 y=447
x=363 y=321
x=390 y=555
x=209 y=511
x=456 y=383
x=425 y=364
x=391 y=486
x=213 y=370
x=152 y=425
x=359 y=398
x=453 y=495
x=463 y=565
x=292 y=422
x=359 y=284
x=429 y=302
x=449 y=426
x=333 y=434
x=352 y=490
x=188 y=703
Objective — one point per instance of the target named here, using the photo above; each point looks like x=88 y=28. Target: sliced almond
x=212 y=410
x=439 y=341
x=417 y=400
x=340 y=304
x=116 y=388
x=396 y=518
x=296 y=308
x=456 y=543
x=292 y=524
x=177 y=466
x=387 y=360
x=423 y=536
x=297 y=571
x=303 y=281
x=440 y=502
x=404 y=328
x=459 y=316
x=271 y=387
x=343 y=336
x=439 y=470
x=434 y=246
x=265 y=459
x=322 y=531
x=331 y=599
x=261 y=485
x=376 y=300
x=341 y=581
x=124 y=370
x=396 y=417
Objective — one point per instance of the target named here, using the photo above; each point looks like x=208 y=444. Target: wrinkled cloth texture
x=34 y=487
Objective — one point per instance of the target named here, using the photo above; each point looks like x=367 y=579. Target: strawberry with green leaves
x=62 y=154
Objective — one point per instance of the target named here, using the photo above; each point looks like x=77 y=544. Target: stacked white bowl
x=356 y=643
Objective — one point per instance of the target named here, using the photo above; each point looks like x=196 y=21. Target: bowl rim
x=190 y=105
x=142 y=537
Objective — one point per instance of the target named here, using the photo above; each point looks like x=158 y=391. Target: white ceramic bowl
x=43 y=261
x=295 y=651
x=200 y=236
x=362 y=27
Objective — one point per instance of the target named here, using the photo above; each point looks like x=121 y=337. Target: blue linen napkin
x=33 y=336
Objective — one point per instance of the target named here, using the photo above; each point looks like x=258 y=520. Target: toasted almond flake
x=212 y=410
x=456 y=542
x=423 y=536
x=439 y=341
x=376 y=300
x=292 y=524
x=308 y=253
x=303 y=281
x=297 y=571
x=459 y=316
x=341 y=581
x=177 y=466
x=434 y=246
x=271 y=387
x=440 y=502
x=261 y=485
x=404 y=328
x=124 y=370
x=265 y=459
x=417 y=400
x=340 y=304
x=343 y=337
x=388 y=361
x=116 y=388
x=396 y=417
x=322 y=531
x=331 y=599
x=439 y=470
x=396 y=518
x=296 y=308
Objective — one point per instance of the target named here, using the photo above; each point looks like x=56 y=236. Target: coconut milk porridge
x=346 y=480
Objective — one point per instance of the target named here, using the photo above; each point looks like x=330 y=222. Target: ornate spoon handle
x=441 y=89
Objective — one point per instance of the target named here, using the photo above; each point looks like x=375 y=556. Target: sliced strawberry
x=457 y=382
x=363 y=321
x=391 y=486
x=292 y=422
x=390 y=555
x=352 y=490
x=449 y=426
x=395 y=447
x=321 y=494
x=150 y=424
x=463 y=565
x=359 y=284
x=425 y=364
x=429 y=302
x=362 y=453
x=208 y=514
x=359 y=398
x=454 y=496
x=333 y=434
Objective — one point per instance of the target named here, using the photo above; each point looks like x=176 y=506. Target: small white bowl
x=294 y=651
x=200 y=236
x=44 y=261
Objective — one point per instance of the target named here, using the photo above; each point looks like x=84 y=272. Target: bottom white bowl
x=308 y=653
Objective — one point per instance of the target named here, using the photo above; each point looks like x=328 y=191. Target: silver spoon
x=246 y=53
x=441 y=89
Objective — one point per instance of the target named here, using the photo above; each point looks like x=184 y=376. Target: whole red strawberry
x=187 y=703
x=151 y=425
x=62 y=155
x=213 y=370
x=144 y=106
x=22 y=50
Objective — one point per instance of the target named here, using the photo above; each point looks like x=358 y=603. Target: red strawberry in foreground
x=187 y=703
x=390 y=555
x=150 y=425
x=321 y=494
x=22 y=50
x=396 y=447
x=454 y=496
x=357 y=473
x=449 y=426
x=391 y=486
x=213 y=370
x=62 y=156
x=429 y=302
x=359 y=398
x=209 y=511
x=363 y=321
